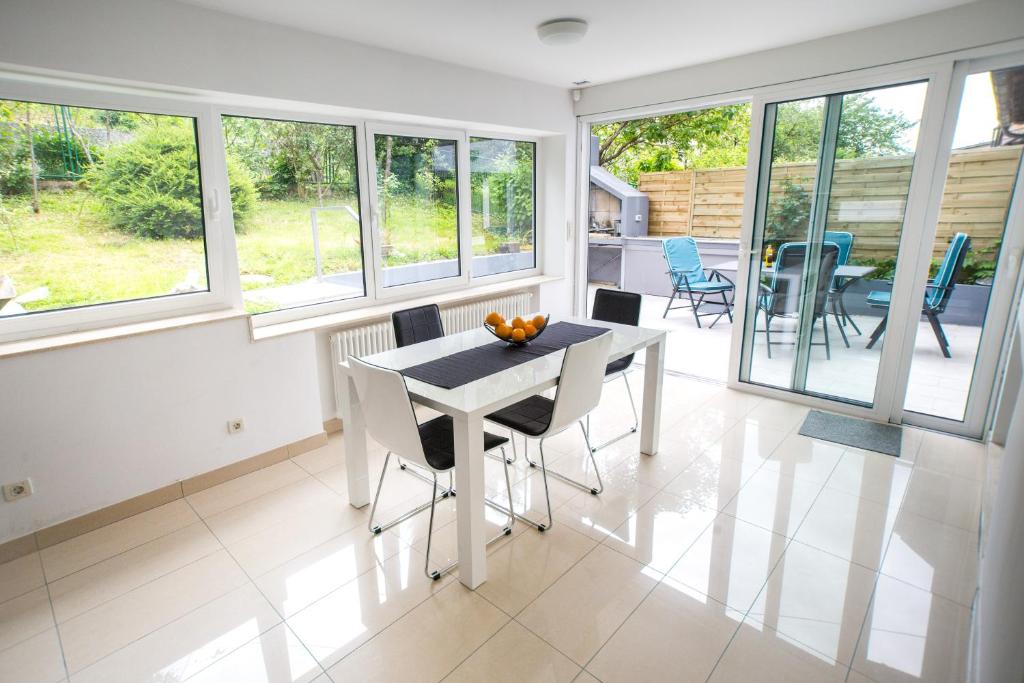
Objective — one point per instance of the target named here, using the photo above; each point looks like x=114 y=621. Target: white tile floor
x=741 y=552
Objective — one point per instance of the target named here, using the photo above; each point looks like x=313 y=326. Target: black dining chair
x=614 y=306
x=414 y=325
x=420 y=324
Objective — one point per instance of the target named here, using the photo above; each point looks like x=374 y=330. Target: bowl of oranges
x=518 y=331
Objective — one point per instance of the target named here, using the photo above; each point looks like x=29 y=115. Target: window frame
x=109 y=314
x=538 y=202
x=223 y=274
x=462 y=205
x=369 y=273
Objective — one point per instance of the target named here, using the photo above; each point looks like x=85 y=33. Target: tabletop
x=505 y=387
x=846 y=271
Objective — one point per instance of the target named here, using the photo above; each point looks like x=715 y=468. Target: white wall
x=966 y=26
x=999 y=617
x=97 y=424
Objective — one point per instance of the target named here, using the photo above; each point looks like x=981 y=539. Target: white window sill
x=69 y=339
x=367 y=314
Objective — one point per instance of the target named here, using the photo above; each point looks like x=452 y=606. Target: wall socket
x=236 y=425
x=18 y=489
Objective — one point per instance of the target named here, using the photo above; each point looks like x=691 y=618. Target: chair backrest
x=617 y=307
x=843 y=240
x=579 y=386
x=387 y=409
x=945 y=278
x=414 y=325
x=788 y=277
x=683 y=258
x=614 y=306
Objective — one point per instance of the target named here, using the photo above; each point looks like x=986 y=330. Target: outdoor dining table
x=468 y=403
x=844 y=276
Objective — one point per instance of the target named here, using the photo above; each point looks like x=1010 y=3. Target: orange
x=518 y=323
x=493 y=319
x=530 y=330
x=538 y=321
x=503 y=331
x=518 y=334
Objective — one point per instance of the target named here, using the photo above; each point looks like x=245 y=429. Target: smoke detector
x=562 y=31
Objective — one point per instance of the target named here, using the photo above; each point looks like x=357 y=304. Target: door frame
x=1001 y=311
x=939 y=70
x=937 y=73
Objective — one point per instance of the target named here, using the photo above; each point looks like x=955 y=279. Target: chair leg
x=824 y=329
x=413 y=470
x=940 y=334
x=570 y=480
x=694 y=306
x=670 y=300
x=768 y=333
x=623 y=435
x=839 y=321
x=379 y=528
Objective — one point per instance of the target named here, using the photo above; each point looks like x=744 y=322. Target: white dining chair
x=539 y=417
x=391 y=420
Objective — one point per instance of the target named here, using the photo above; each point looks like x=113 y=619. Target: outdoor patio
x=938 y=385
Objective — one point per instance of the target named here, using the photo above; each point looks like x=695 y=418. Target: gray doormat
x=852 y=431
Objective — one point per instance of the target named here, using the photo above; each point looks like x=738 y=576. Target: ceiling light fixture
x=562 y=31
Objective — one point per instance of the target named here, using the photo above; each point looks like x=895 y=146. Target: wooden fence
x=868 y=199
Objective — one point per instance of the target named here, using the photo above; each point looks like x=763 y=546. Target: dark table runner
x=473 y=364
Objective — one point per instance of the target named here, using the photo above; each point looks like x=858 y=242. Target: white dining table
x=468 y=404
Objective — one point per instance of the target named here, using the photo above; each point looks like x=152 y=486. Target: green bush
x=149 y=186
x=15 y=165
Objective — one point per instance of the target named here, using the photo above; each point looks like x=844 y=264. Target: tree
x=718 y=137
x=865 y=130
x=150 y=185
x=674 y=141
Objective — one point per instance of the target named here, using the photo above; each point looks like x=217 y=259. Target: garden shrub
x=149 y=186
x=15 y=165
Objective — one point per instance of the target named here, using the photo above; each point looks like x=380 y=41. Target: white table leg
x=469 y=482
x=354 y=435
x=650 y=420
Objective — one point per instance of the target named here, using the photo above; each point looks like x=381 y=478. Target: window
x=97 y=206
x=502 y=180
x=295 y=195
x=417 y=208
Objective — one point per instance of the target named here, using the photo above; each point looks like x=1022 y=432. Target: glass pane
x=417 y=208
x=833 y=210
x=502 y=182
x=295 y=199
x=794 y=152
x=97 y=206
x=980 y=181
x=877 y=137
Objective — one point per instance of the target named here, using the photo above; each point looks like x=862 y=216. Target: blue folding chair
x=937 y=292
x=689 y=277
x=782 y=296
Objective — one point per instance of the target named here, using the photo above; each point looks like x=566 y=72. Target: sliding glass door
x=974 y=259
x=832 y=193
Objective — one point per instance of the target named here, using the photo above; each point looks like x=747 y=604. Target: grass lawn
x=69 y=249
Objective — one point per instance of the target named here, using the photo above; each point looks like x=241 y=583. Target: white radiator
x=376 y=337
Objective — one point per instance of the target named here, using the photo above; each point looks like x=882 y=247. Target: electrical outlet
x=236 y=425
x=18 y=489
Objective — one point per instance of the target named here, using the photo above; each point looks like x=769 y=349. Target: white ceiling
x=627 y=37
